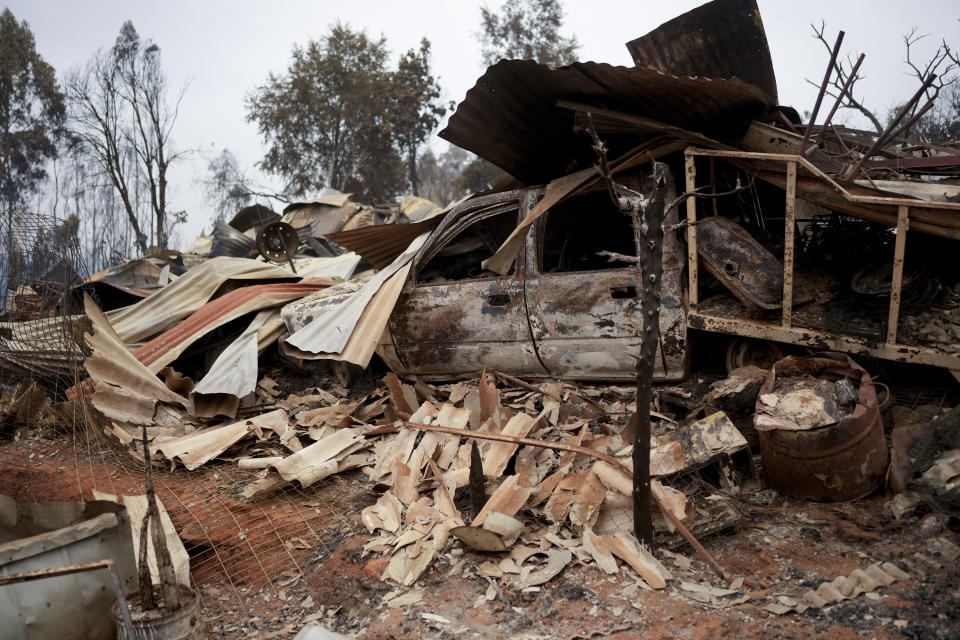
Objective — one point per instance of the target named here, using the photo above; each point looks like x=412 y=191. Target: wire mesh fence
x=56 y=449
x=238 y=545
x=40 y=266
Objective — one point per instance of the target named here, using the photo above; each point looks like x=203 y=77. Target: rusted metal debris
x=816 y=448
x=723 y=39
x=547 y=279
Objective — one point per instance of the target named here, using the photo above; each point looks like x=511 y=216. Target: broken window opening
x=462 y=257
x=577 y=230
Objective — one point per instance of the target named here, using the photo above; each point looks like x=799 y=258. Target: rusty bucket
x=842 y=461
x=183 y=624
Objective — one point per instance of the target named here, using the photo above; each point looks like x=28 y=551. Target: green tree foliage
x=478 y=174
x=526 y=30
x=416 y=109
x=31 y=113
x=327 y=119
x=454 y=174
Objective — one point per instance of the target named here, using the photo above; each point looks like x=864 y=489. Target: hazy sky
x=225 y=49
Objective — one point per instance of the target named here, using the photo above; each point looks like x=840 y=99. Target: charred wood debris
x=538 y=360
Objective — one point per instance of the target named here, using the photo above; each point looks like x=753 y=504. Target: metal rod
x=883 y=137
x=840 y=97
x=713 y=187
x=788 y=230
x=517 y=382
x=559 y=446
x=896 y=287
x=692 y=264
x=823 y=90
x=53 y=572
x=909 y=123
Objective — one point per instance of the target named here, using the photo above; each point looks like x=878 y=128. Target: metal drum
x=843 y=461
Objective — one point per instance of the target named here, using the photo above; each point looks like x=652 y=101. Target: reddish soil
x=252 y=587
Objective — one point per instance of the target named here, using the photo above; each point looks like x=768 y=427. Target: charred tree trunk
x=646 y=215
x=648 y=232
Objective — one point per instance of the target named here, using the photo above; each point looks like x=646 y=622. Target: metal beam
x=896 y=289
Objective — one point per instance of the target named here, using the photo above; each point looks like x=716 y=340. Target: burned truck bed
x=851 y=289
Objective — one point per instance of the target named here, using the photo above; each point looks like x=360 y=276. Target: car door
x=585 y=311
x=454 y=318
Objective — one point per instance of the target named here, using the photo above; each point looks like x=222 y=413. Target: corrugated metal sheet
x=332 y=199
x=341 y=267
x=330 y=331
x=416 y=208
x=124 y=284
x=381 y=244
x=321 y=219
x=299 y=313
x=510 y=116
x=168 y=346
x=124 y=389
x=227 y=241
x=234 y=372
x=720 y=39
x=186 y=294
x=369 y=328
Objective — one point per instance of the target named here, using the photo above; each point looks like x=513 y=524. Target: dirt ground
x=781 y=548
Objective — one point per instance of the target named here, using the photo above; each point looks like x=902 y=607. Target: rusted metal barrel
x=838 y=462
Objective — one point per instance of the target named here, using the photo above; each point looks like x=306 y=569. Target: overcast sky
x=225 y=49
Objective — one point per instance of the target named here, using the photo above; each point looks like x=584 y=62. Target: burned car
x=563 y=310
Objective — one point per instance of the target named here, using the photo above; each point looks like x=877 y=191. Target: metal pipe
x=885 y=136
x=912 y=121
x=823 y=90
x=840 y=97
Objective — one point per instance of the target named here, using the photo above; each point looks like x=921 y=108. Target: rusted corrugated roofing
x=350 y=330
x=510 y=116
x=186 y=294
x=166 y=347
x=416 y=208
x=720 y=39
x=321 y=219
x=381 y=244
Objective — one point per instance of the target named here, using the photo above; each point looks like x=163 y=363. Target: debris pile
x=546 y=480
x=815 y=241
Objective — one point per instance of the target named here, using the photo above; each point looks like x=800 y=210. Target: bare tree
x=944 y=62
x=225 y=185
x=120 y=113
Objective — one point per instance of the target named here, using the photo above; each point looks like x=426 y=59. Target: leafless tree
x=121 y=115
x=81 y=189
x=944 y=62
x=228 y=188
